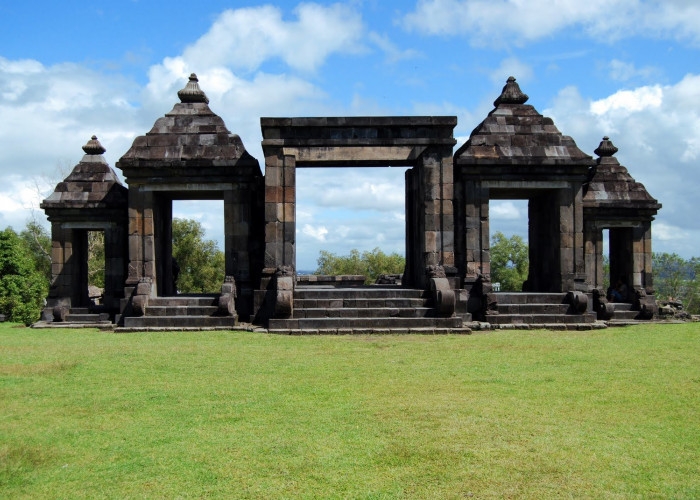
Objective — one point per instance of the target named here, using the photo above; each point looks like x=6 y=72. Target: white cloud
x=318 y=233
x=629 y=101
x=622 y=71
x=489 y=22
x=656 y=129
x=50 y=112
x=511 y=66
x=245 y=38
x=392 y=51
x=504 y=210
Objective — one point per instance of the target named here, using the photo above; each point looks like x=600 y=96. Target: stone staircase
x=624 y=315
x=539 y=310
x=362 y=310
x=79 y=317
x=87 y=315
x=180 y=312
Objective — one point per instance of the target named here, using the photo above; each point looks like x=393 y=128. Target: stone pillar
x=593 y=255
x=115 y=258
x=642 y=276
x=572 y=270
x=435 y=196
x=141 y=238
x=280 y=211
x=413 y=261
x=476 y=231
x=79 y=267
x=61 y=265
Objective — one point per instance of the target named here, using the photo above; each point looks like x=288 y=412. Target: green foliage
x=677 y=278
x=370 y=264
x=509 y=262
x=37 y=242
x=22 y=287
x=525 y=414
x=202 y=264
x=96 y=258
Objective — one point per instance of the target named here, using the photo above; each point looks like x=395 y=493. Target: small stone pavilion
x=515 y=153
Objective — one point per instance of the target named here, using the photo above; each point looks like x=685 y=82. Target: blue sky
x=629 y=69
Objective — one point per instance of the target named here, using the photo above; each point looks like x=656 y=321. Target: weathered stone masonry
x=515 y=153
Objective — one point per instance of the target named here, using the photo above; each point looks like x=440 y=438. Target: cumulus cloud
x=622 y=71
x=506 y=210
x=501 y=21
x=242 y=40
x=511 y=66
x=656 y=129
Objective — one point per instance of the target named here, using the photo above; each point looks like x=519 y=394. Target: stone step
x=184 y=300
x=533 y=308
x=353 y=312
x=529 y=298
x=430 y=330
x=180 y=321
x=624 y=314
x=358 y=293
x=621 y=306
x=360 y=303
x=185 y=310
x=356 y=323
x=540 y=318
x=86 y=318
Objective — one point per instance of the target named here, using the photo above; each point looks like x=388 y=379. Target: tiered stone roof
x=190 y=135
x=611 y=185
x=91 y=184
x=514 y=133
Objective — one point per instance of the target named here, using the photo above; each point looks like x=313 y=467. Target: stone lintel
x=341 y=156
x=195 y=187
x=494 y=184
x=355 y=121
x=90 y=225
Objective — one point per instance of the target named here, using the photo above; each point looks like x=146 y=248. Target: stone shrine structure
x=515 y=153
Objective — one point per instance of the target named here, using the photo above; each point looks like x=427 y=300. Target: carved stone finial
x=93 y=147
x=192 y=92
x=511 y=94
x=606 y=148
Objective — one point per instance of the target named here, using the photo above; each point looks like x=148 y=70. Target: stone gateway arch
x=514 y=153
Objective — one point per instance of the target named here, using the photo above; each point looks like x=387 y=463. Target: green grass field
x=531 y=414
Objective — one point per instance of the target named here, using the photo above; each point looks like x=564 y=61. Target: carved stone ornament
x=93 y=147
x=227 y=299
x=606 y=148
x=578 y=301
x=192 y=92
x=443 y=296
x=511 y=94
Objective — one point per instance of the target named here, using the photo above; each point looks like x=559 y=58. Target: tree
x=678 y=279
x=369 y=264
x=509 y=261
x=22 y=287
x=201 y=263
x=37 y=242
x=96 y=258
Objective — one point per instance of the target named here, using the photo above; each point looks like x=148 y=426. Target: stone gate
x=515 y=153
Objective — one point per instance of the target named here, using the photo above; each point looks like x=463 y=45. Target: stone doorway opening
x=509 y=267
x=197 y=226
x=349 y=208
x=618 y=274
x=94 y=266
x=546 y=228
x=183 y=206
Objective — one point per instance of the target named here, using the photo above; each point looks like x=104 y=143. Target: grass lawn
x=534 y=414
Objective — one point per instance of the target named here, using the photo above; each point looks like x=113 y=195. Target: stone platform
x=369 y=309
